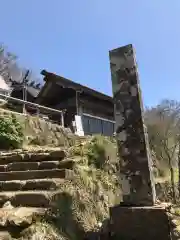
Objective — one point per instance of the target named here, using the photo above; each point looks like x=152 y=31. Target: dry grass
x=42 y=231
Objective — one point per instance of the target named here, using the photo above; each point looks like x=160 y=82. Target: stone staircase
x=28 y=182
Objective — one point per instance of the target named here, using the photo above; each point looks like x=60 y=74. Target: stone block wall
x=38 y=131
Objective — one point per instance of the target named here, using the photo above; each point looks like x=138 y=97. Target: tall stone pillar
x=136 y=164
x=137 y=217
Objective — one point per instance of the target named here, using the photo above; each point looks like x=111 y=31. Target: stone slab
x=22 y=166
x=5 y=235
x=33 y=184
x=43 y=165
x=27 y=198
x=35 y=174
x=139 y=223
x=133 y=148
x=23 y=156
x=20 y=216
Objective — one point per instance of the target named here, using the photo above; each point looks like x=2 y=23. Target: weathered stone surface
x=175 y=223
x=136 y=164
x=33 y=174
x=7 y=205
x=20 y=217
x=58 y=154
x=27 y=198
x=3 y=198
x=5 y=236
x=22 y=166
x=48 y=164
x=26 y=156
x=7 y=158
x=33 y=199
x=176 y=233
x=3 y=168
x=11 y=185
x=66 y=164
x=42 y=184
x=140 y=223
x=43 y=165
x=24 y=216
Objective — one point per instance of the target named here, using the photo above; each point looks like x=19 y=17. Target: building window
x=93 y=125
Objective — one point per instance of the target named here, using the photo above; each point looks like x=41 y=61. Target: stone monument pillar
x=131 y=218
x=136 y=164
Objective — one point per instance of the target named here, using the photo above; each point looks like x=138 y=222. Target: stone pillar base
x=139 y=223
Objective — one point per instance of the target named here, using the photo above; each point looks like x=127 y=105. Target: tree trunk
x=179 y=168
x=173 y=184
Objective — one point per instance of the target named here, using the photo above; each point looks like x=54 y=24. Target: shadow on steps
x=63 y=217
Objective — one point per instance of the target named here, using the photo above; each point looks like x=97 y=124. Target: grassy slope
x=83 y=204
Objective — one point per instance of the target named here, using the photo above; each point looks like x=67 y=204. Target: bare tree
x=8 y=65
x=163 y=122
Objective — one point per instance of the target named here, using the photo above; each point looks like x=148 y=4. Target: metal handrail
x=30 y=103
x=100 y=118
x=35 y=105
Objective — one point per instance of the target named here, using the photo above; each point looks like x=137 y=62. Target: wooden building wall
x=96 y=109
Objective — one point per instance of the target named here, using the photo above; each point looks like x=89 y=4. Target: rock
x=57 y=154
x=34 y=156
x=4 y=213
x=7 y=158
x=175 y=235
x=23 y=217
x=176 y=231
x=5 y=236
x=174 y=223
x=171 y=216
x=11 y=185
x=3 y=199
x=7 y=205
x=19 y=217
x=3 y=218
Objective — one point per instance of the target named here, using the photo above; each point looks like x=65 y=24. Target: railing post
x=62 y=118
x=38 y=111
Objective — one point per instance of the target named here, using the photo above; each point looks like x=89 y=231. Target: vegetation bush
x=11 y=132
x=98 y=151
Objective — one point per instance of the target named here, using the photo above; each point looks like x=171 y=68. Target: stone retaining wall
x=42 y=132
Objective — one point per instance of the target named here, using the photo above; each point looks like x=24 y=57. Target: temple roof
x=66 y=83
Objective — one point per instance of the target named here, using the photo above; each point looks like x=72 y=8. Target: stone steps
x=43 y=165
x=35 y=174
x=28 y=186
x=32 y=157
x=37 y=165
x=35 y=184
x=37 y=199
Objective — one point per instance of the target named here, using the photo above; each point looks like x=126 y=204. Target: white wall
x=3 y=84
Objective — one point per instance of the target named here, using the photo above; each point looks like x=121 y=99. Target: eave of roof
x=50 y=76
x=33 y=91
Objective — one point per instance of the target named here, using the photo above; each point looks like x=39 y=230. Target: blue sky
x=72 y=38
